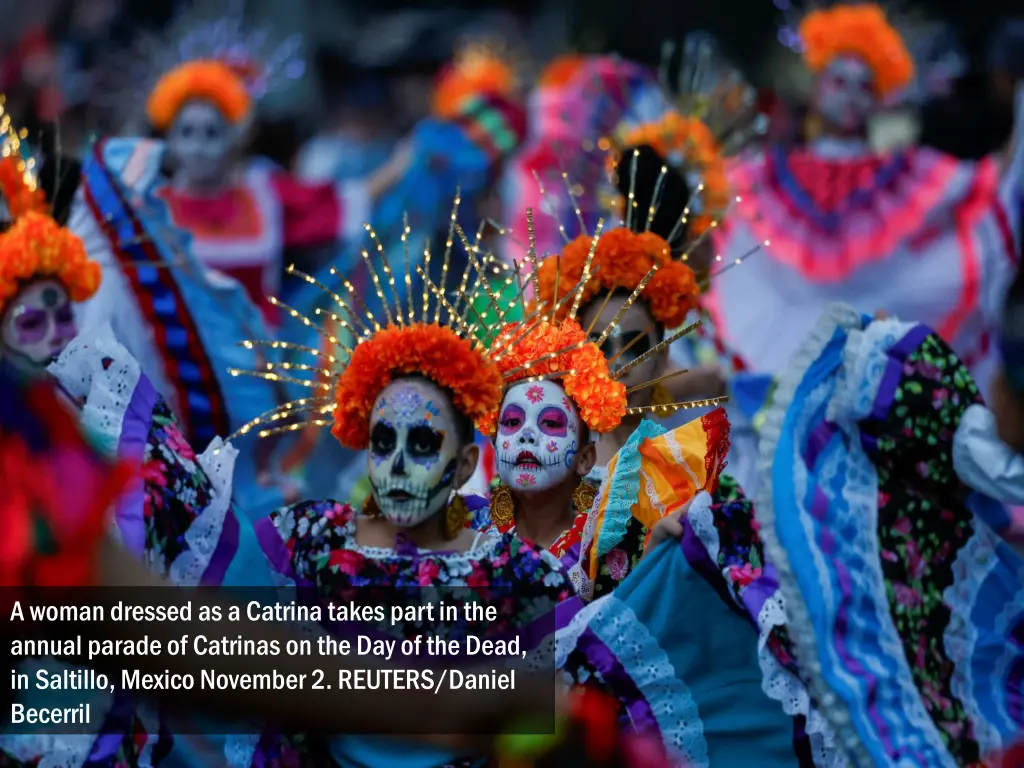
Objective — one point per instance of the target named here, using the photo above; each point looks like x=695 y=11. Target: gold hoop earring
x=503 y=506
x=455 y=517
x=583 y=497
x=370 y=508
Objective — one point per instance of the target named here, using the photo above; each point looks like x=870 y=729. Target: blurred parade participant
x=44 y=271
x=839 y=222
x=878 y=459
x=190 y=239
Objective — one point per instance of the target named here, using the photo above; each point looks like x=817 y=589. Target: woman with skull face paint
x=43 y=270
x=913 y=231
x=544 y=442
x=661 y=485
x=409 y=395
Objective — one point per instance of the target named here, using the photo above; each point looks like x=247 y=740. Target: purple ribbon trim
x=273 y=547
x=618 y=678
x=898 y=354
x=571 y=556
x=131 y=447
x=699 y=559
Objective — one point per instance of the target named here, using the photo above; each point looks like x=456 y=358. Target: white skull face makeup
x=36 y=327
x=845 y=94
x=414 y=451
x=538 y=436
x=199 y=143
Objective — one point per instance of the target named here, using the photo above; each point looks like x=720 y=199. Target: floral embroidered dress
x=904 y=606
x=314 y=544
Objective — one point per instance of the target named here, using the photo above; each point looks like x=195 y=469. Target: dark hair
x=465 y=430
x=672 y=197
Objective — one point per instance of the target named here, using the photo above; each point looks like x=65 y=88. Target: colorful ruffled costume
x=838 y=222
x=903 y=603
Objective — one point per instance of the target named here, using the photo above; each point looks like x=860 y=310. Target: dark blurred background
x=51 y=51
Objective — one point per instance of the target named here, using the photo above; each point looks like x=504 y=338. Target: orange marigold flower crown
x=436 y=352
x=476 y=71
x=37 y=247
x=689 y=140
x=621 y=261
x=563 y=348
x=858 y=30
x=207 y=80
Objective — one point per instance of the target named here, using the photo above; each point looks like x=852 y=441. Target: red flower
x=347 y=561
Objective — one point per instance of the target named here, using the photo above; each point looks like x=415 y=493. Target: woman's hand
x=670 y=527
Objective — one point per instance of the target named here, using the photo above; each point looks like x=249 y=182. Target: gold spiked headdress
x=438 y=337
x=711 y=114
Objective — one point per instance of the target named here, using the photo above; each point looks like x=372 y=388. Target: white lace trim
x=839 y=721
x=974 y=562
x=864 y=361
x=777 y=682
x=107 y=391
x=203 y=535
x=578 y=575
x=53 y=750
x=703 y=523
x=650 y=669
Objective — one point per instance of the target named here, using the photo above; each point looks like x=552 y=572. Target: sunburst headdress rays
x=439 y=333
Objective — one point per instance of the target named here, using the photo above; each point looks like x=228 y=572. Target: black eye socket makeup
x=383 y=439
x=424 y=441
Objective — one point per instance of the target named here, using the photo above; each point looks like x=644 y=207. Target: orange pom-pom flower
x=689 y=141
x=37 y=246
x=432 y=351
x=476 y=72
x=625 y=257
x=860 y=30
x=204 y=80
x=587 y=381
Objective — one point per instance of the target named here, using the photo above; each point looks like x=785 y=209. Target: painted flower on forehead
x=525 y=352
x=624 y=257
